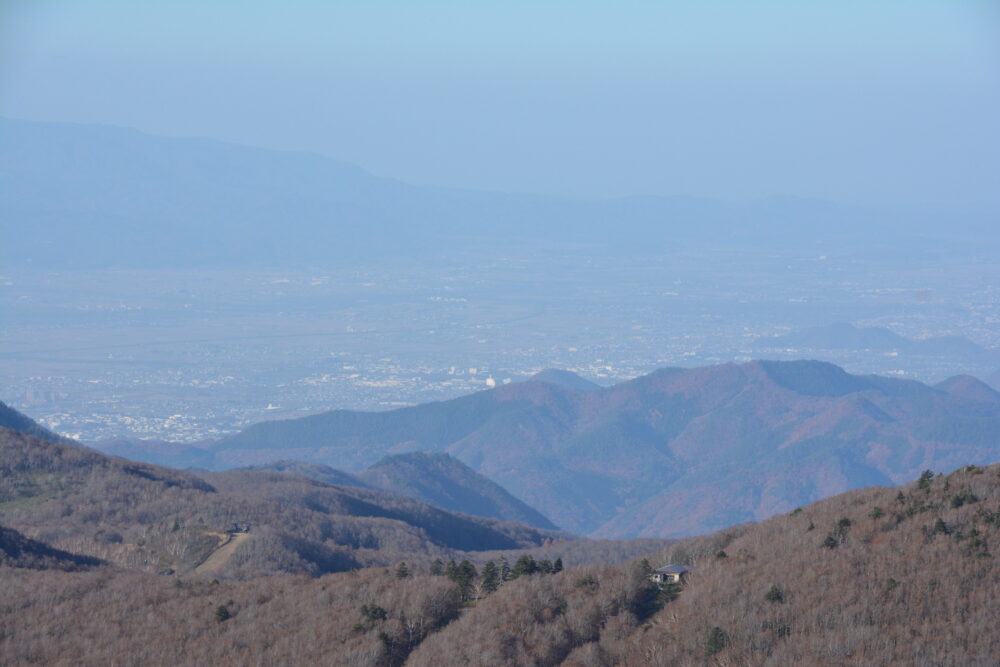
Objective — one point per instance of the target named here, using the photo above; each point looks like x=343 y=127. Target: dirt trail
x=221 y=556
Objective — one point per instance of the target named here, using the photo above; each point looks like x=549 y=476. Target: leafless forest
x=876 y=576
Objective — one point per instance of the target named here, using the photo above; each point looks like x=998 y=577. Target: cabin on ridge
x=669 y=574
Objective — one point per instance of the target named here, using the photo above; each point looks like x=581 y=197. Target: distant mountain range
x=97 y=196
x=844 y=336
x=676 y=452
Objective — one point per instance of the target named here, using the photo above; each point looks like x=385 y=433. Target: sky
x=892 y=102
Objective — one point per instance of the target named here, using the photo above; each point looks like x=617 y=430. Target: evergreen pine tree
x=557 y=566
x=525 y=564
x=715 y=642
x=402 y=572
x=468 y=570
x=463 y=574
x=491 y=577
x=505 y=573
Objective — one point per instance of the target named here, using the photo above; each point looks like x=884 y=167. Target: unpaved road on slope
x=221 y=556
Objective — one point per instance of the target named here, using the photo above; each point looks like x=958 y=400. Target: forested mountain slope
x=157 y=452
x=676 y=452
x=443 y=481
x=875 y=576
x=156 y=519
x=317 y=471
x=16 y=421
x=18 y=551
x=437 y=479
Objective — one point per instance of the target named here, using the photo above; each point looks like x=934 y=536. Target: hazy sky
x=888 y=101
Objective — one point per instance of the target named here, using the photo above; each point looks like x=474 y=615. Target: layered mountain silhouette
x=65 y=189
x=158 y=519
x=443 y=481
x=969 y=387
x=433 y=478
x=842 y=336
x=676 y=452
x=317 y=471
x=157 y=452
x=566 y=379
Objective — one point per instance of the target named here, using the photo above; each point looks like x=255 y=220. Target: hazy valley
x=491 y=334
x=142 y=337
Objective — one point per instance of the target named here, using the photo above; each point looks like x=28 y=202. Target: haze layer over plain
x=890 y=102
x=356 y=281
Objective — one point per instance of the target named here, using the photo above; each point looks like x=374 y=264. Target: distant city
x=188 y=356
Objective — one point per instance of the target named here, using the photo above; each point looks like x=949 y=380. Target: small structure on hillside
x=670 y=574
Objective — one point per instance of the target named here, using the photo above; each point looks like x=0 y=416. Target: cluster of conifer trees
x=476 y=584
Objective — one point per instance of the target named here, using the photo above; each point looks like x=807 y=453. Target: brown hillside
x=156 y=519
x=875 y=576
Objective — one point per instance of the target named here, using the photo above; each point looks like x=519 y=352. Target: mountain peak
x=813 y=378
x=966 y=386
x=842 y=335
x=565 y=379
